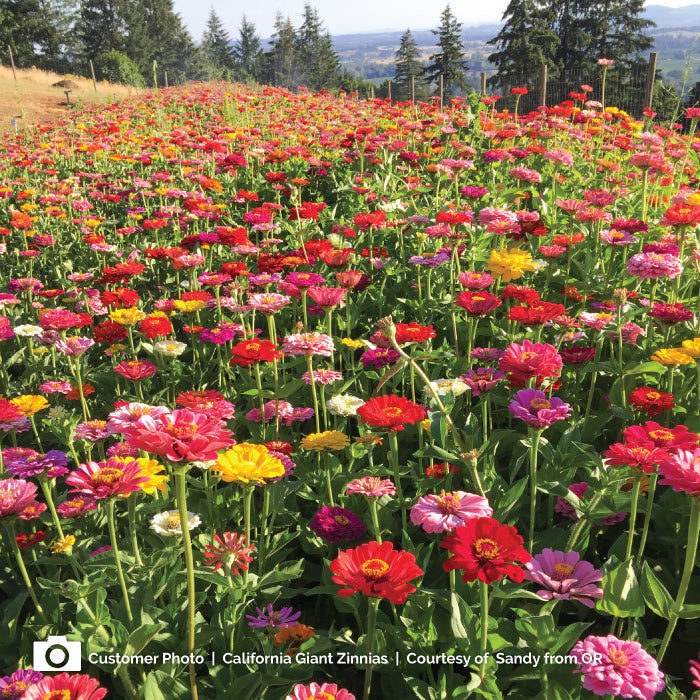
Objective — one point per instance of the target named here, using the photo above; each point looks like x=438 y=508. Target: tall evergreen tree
x=216 y=46
x=526 y=40
x=247 y=52
x=407 y=66
x=572 y=20
x=280 y=59
x=317 y=61
x=449 y=61
x=102 y=26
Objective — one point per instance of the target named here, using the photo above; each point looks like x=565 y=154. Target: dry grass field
x=32 y=98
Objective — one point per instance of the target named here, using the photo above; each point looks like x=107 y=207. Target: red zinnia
x=537 y=314
x=247 y=352
x=114 y=477
x=641 y=455
x=676 y=438
x=155 y=327
x=413 y=333
x=390 y=411
x=486 y=550
x=377 y=570
x=651 y=401
x=478 y=303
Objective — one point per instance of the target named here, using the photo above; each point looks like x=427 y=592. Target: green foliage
x=216 y=46
x=449 y=61
x=117 y=67
x=247 y=53
x=408 y=66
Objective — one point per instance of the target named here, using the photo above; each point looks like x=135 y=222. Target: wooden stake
x=543 y=85
x=413 y=90
x=92 y=70
x=651 y=75
x=388 y=89
x=441 y=90
x=166 y=78
x=12 y=61
x=483 y=83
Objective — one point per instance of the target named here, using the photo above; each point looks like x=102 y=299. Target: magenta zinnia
x=114 y=477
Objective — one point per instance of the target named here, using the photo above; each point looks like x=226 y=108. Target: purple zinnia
x=218 y=335
x=533 y=407
x=13 y=687
x=379 y=357
x=284 y=618
x=333 y=524
x=52 y=464
x=564 y=576
x=483 y=379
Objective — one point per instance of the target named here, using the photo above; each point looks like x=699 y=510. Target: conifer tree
x=317 y=62
x=280 y=59
x=449 y=61
x=247 y=52
x=216 y=46
x=407 y=66
x=102 y=27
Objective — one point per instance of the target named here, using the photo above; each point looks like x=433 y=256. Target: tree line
x=124 y=38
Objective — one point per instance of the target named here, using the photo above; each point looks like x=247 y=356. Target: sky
x=348 y=16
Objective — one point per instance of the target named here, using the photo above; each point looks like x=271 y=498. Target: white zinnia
x=344 y=405
x=28 y=330
x=169 y=348
x=168 y=523
x=446 y=386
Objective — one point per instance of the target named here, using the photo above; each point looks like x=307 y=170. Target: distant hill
x=687 y=17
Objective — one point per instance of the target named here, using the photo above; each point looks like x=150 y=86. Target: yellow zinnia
x=64 y=544
x=29 y=404
x=328 y=440
x=672 y=357
x=154 y=472
x=510 y=264
x=247 y=463
x=691 y=347
x=127 y=317
x=189 y=307
x=354 y=344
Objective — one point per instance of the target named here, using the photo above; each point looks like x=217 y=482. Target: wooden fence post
x=543 y=85
x=413 y=90
x=651 y=74
x=92 y=70
x=166 y=78
x=388 y=89
x=483 y=83
x=12 y=61
x=441 y=90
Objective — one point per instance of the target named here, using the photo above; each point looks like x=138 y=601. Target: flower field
x=314 y=398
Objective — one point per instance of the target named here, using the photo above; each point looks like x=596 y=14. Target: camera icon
x=57 y=654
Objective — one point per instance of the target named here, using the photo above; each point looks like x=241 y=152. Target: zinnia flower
x=114 y=477
x=308 y=344
x=617 y=667
x=231 y=553
x=376 y=570
x=538 y=360
x=314 y=691
x=136 y=370
x=533 y=407
x=446 y=511
x=65 y=686
x=654 y=265
x=510 y=264
x=564 y=576
x=391 y=412
x=168 y=523
x=248 y=352
x=681 y=471
x=275 y=619
x=327 y=440
x=13 y=687
x=333 y=524
x=372 y=486
x=246 y=463
x=15 y=496
x=343 y=405
x=651 y=401
x=486 y=550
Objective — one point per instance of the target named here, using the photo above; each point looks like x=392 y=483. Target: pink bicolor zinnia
x=445 y=511
x=70 y=686
x=617 y=667
x=328 y=297
x=539 y=360
x=75 y=346
x=113 y=477
x=314 y=691
x=180 y=435
x=308 y=344
x=682 y=471
x=15 y=496
x=268 y=303
x=372 y=486
x=654 y=265
x=136 y=370
x=533 y=407
x=322 y=376
x=128 y=415
x=564 y=575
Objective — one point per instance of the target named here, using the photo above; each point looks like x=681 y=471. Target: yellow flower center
x=341 y=519
x=448 y=503
x=322 y=695
x=561 y=571
x=618 y=657
x=14 y=690
x=540 y=404
x=107 y=476
x=393 y=411
x=662 y=435
x=58 y=695
x=173 y=521
x=374 y=569
x=486 y=548
x=181 y=431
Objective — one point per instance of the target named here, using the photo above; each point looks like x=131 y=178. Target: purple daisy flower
x=533 y=407
x=333 y=524
x=13 y=687
x=564 y=576
x=284 y=618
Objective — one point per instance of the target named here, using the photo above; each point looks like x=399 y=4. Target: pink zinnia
x=483 y=379
x=15 y=496
x=372 y=486
x=564 y=576
x=114 y=477
x=682 y=471
x=475 y=280
x=625 y=669
x=268 y=303
x=539 y=360
x=533 y=407
x=75 y=346
x=126 y=416
x=446 y=511
x=314 y=691
x=322 y=376
x=59 y=320
x=654 y=265
x=308 y=344
x=70 y=686
x=328 y=297
x=136 y=370
x=93 y=430
x=180 y=435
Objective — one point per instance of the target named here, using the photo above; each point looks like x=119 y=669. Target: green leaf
x=655 y=594
x=690 y=612
x=140 y=637
x=621 y=593
x=458 y=629
x=151 y=689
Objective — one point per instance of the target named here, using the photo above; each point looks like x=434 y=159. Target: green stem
x=131 y=510
x=647 y=517
x=117 y=560
x=10 y=530
x=633 y=514
x=394 y=450
x=247 y=500
x=535 y=442
x=484 y=612
x=309 y=366
x=373 y=604
x=690 y=554
x=581 y=524
x=375 y=519
x=181 y=495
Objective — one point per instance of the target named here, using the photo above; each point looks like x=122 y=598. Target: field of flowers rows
x=423 y=384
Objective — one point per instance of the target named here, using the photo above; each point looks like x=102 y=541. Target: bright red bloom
x=678 y=437
x=536 y=315
x=478 y=303
x=180 y=435
x=8 y=411
x=441 y=470
x=525 y=295
x=198 y=400
x=109 y=332
x=390 y=411
x=376 y=570
x=641 y=455
x=375 y=220
x=413 y=333
x=247 y=352
x=155 y=327
x=280 y=446
x=24 y=540
x=122 y=297
x=681 y=215
x=651 y=401
x=136 y=370
x=486 y=550
x=232 y=553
